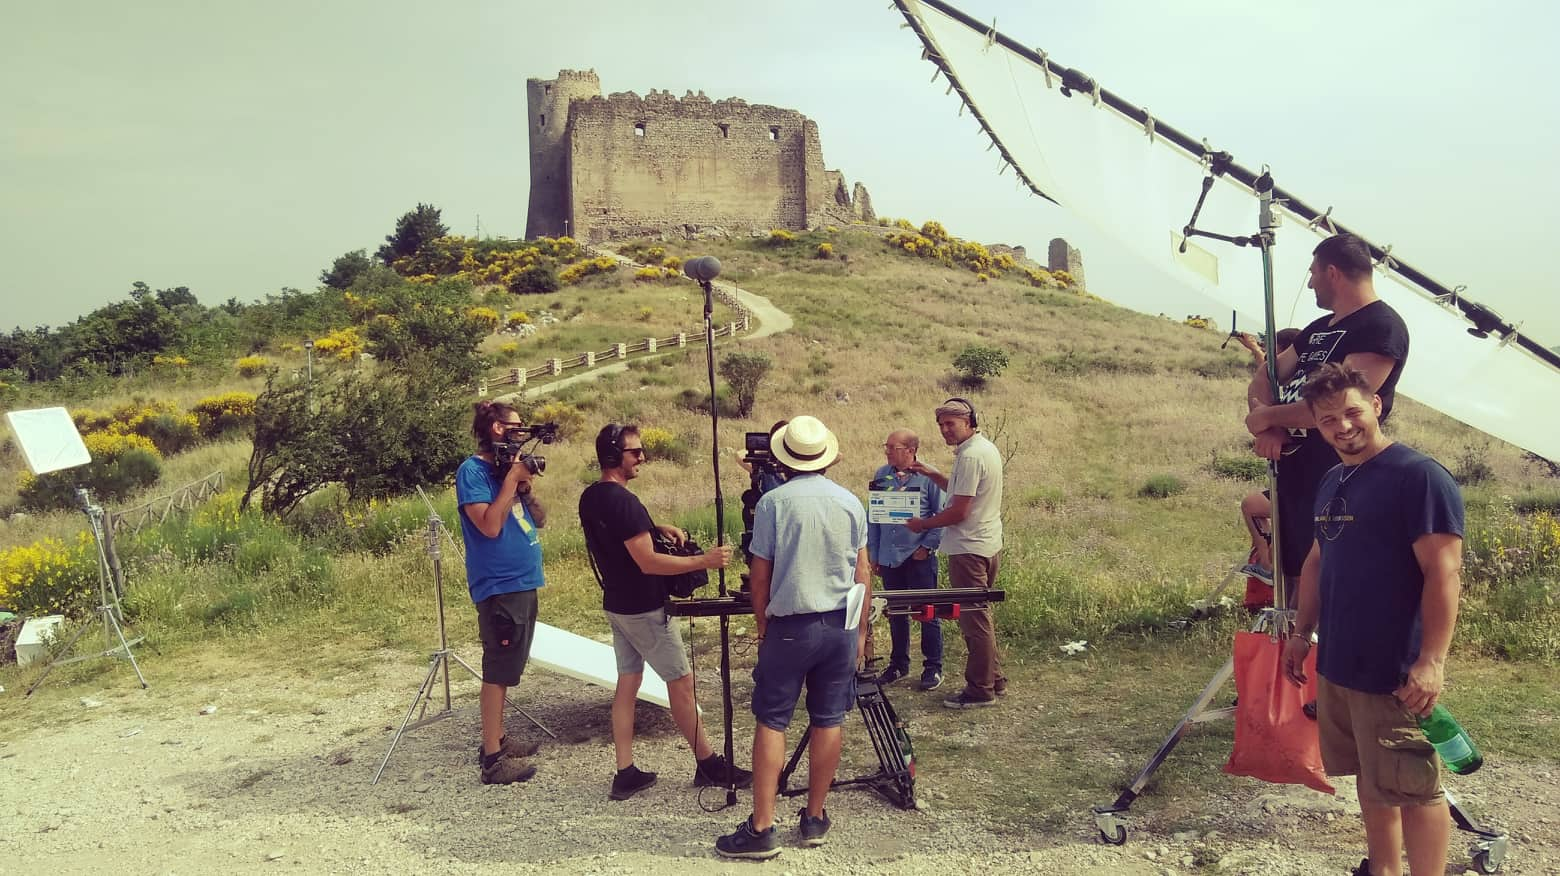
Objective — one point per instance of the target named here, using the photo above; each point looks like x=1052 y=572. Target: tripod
x=439 y=660
x=895 y=778
x=107 y=609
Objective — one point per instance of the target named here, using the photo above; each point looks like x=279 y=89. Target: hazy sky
x=238 y=148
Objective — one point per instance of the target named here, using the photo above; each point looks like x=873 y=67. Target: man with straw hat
x=809 y=552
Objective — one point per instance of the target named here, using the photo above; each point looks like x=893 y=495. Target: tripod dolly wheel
x=1113 y=831
x=1117 y=839
x=1485 y=862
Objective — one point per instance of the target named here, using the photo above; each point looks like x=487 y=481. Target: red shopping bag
x=1274 y=740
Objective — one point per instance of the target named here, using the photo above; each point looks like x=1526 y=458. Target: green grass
x=1097 y=403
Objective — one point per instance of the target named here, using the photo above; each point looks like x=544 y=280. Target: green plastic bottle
x=1451 y=741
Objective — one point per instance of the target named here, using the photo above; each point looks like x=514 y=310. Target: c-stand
x=107 y=609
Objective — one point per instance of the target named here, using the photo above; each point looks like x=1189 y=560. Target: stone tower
x=1063 y=256
x=547 y=106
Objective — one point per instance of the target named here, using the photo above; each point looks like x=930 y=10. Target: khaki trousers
x=982 y=667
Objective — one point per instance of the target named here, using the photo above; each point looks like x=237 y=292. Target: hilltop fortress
x=625 y=165
x=631 y=166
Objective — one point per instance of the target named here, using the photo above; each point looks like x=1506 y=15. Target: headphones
x=609 y=449
x=966 y=403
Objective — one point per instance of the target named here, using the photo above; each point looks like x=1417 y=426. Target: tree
x=979 y=362
x=346 y=269
x=412 y=231
x=745 y=371
x=178 y=296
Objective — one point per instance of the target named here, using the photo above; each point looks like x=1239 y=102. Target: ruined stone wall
x=1065 y=257
x=643 y=164
x=547 y=107
x=620 y=165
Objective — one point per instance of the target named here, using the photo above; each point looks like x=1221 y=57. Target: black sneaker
x=630 y=781
x=711 y=773
x=510 y=748
x=745 y=842
x=891 y=675
x=1362 y=870
x=814 y=831
x=966 y=700
x=931 y=679
x=499 y=770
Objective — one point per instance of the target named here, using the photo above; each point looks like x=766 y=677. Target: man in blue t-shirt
x=499 y=518
x=1380 y=588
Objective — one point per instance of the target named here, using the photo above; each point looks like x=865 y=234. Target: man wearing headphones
x=972 y=542
x=617 y=536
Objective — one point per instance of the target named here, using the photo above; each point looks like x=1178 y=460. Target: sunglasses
x=640 y=451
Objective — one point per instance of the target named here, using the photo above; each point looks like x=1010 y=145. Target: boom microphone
x=703 y=268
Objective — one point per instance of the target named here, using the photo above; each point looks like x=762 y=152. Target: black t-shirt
x=1367 y=518
x=1374 y=328
x=611 y=515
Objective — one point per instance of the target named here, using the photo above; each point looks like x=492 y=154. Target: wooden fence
x=184 y=498
x=519 y=377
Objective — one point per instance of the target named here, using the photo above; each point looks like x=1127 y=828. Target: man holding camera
x=809 y=552
x=972 y=541
x=503 y=572
x=907 y=560
x=618 y=536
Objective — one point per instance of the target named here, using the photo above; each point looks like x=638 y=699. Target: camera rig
x=516 y=441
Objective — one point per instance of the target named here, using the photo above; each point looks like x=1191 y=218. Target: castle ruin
x=625 y=165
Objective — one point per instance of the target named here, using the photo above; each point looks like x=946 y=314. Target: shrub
x=646 y=313
x=672 y=263
x=1239 y=467
x=518 y=318
x=780 y=237
x=1201 y=322
x=980 y=362
x=699 y=402
x=121 y=464
x=252 y=366
x=509 y=350
x=569 y=418
x=663 y=444
x=934 y=231
x=161 y=361
x=169 y=433
x=485 y=317
x=649 y=275
x=1162 y=486
x=48 y=576
x=1472 y=465
x=825 y=250
x=537 y=279
x=344 y=344
x=745 y=371
x=217 y=415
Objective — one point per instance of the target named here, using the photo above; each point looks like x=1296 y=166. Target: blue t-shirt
x=510 y=563
x=1367 y=518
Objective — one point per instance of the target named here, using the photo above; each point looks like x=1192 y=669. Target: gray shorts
x=651 y=638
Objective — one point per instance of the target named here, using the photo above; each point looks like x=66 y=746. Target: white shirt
x=977 y=473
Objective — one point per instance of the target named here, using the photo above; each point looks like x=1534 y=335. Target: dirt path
x=277 y=779
x=771 y=320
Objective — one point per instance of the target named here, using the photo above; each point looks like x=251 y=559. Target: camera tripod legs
x=424 y=696
x=110 y=624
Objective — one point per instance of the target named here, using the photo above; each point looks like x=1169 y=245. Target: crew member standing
x=972 y=542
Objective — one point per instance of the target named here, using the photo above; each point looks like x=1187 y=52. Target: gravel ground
x=277 y=778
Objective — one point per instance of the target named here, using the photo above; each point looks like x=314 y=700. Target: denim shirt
x=891 y=544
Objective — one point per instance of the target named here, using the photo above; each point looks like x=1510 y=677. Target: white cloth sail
x=1138 y=188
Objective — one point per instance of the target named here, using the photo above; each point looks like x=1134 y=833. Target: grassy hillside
x=1097 y=404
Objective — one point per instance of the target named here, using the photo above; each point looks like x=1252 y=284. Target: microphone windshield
x=703 y=268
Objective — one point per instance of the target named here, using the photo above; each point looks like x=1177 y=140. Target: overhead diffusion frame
x=1135 y=178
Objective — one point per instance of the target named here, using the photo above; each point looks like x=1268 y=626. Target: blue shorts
x=811 y=648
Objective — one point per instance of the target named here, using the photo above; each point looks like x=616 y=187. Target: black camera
x=516 y=440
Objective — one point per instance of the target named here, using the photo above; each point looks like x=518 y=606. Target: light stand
x=107 y=609
x=704 y=270
x=439 y=661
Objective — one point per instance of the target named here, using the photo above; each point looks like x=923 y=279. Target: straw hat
x=805 y=444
